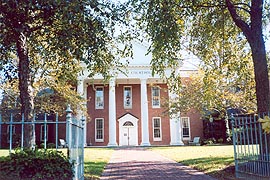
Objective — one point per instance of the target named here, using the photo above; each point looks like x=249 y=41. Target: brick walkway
x=138 y=163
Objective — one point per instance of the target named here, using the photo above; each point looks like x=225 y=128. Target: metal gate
x=14 y=133
x=75 y=142
x=251 y=147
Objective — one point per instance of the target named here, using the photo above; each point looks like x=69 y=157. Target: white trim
x=99 y=107
x=188 y=120
x=127 y=107
x=99 y=140
x=155 y=106
x=160 y=128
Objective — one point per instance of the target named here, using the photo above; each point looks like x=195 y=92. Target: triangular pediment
x=129 y=117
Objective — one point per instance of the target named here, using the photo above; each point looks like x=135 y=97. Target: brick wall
x=159 y=112
x=196 y=125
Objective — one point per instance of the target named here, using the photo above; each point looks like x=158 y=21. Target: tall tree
x=252 y=29
x=38 y=30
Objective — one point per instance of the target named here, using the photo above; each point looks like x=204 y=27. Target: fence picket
x=74 y=136
x=251 y=151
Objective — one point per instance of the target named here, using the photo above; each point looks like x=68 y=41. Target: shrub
x=209 y=141
x=220 y=140
x=36 y=165
x=51 y=145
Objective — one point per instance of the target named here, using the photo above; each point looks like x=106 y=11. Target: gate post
x=83 y=127
x=68 y=127
x=234 y=146
x=82 y=147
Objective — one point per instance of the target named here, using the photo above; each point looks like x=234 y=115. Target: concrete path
x=138 y=163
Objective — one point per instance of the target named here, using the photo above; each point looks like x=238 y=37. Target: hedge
x=36 y=165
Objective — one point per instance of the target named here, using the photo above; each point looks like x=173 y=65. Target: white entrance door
x=128 y=130
x=128 y=134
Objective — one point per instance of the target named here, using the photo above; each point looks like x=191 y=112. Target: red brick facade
x=195 y=122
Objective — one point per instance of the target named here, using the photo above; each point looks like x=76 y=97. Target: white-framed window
x=42 y=132
x=155 y=97
x=157 y=133
x=127 y=97
x=99 y=98
x=8 y=130
x=99 y=130
x=185 y=127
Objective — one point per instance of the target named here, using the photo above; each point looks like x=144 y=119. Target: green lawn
x=95 y=160
x=217 y=161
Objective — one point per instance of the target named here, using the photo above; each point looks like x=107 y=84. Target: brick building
x=128 y=111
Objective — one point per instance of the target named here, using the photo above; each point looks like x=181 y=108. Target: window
x=155 y=97
x=128 y=123
x=157 y=128
x=8 y=130
x=127 y=97
x=99 y=132
x=185 y=127
x=99 y=98
x=42 y=132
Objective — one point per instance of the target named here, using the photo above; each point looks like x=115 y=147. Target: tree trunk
x=257 y=45
x=261 y=74
x=26 y=90
x=254 y=35
x=262 y=85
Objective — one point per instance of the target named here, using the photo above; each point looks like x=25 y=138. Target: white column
x=180 y=130
x=112 y=114
x=144 y=114
x=175 y=127
x=81 y=90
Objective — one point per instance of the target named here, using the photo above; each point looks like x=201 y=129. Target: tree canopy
x=226 y=35
x=56 y=35
x=45 y=41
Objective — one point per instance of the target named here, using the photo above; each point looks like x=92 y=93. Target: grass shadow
x=221 y=168
x=93 y=170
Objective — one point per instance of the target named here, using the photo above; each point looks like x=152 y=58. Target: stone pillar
x=144 y=114
x=175 y=127
x=112 y=114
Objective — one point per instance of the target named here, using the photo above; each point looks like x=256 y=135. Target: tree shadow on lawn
x=221 y=168
x=93 y=170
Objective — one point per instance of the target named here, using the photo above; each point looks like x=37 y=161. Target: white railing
x=46 y=133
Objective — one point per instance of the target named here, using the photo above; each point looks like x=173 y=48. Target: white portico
x=125 y=114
